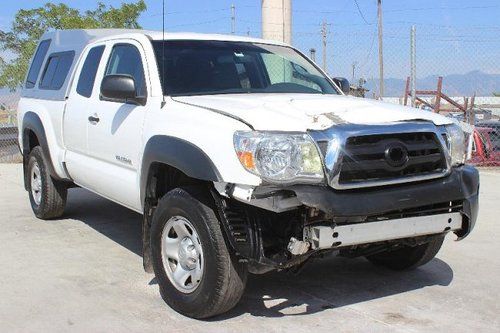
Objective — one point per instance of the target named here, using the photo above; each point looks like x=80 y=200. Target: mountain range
x=480 y=83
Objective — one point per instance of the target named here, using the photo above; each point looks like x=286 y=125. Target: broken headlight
x=279 y=157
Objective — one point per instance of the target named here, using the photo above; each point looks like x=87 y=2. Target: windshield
x=220 y=67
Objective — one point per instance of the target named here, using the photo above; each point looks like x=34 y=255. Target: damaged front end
x=353 y=223
x=259 y=223
x=385 y=186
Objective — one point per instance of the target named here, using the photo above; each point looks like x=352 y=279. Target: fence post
x=437 y=103
x=313 y=54
x=407 y=91
x=324 y=33
x=380 y=50
x=233 y=19
x=10 y=118
x=413 y=60
x=472 y=116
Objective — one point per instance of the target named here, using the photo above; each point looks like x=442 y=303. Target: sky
x=453 y=36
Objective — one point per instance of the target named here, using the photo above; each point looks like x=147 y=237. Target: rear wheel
x=47 y=195
x=408 y=257
x=196 y=273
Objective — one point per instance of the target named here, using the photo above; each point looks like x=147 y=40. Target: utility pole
x=324 y=32
x=380 y=49
x=353 y=69
x=283 y=25
x=413 y=65
x=233 y=19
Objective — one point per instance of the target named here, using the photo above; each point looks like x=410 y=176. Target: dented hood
x=301 y=112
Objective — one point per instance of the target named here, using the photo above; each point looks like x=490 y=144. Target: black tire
x=408 y=257
x=223 y=280
x=52 y=198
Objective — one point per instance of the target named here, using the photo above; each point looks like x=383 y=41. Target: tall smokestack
x=277 y=20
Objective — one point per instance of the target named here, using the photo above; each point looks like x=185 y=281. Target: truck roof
x=82 y=37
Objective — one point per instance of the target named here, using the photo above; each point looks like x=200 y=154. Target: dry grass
x=9 y=152
x=11 y=159
x=5 y=119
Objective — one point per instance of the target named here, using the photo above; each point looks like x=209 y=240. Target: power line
x=389 y=10
x=444 y=39
x=440 y=8
x=360 y=12
x=191 y=12
x=302 y=10
x=368 y=55
x=200 y=23
x=187 y=12
x=280 y=24
x=425 y=24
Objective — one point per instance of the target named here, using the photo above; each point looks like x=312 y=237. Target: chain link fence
x=456 y=69
x=9 y=151
x=457 y=73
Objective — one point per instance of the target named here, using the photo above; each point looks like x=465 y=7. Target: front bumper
x=461 y=185
x=324 y=237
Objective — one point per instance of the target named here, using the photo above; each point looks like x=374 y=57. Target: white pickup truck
x=242 y=155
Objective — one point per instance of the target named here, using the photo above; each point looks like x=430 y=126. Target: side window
x=56 y=70
x=37 y=62
x=89 y=70
x=126 y=59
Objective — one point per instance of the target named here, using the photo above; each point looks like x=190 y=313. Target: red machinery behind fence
x=484 y=153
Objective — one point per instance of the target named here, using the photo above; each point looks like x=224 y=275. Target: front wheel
x=408 y=257
x=196 y=273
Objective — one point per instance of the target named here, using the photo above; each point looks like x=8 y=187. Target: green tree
x=29 y=26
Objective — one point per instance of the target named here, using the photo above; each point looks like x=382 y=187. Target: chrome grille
x=389 y=156
x=355 y=153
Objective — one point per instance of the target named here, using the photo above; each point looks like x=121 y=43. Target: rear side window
x=37 y=62
x=56 y=70
x=89 y=70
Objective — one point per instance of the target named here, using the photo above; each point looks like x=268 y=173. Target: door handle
x=94 y=119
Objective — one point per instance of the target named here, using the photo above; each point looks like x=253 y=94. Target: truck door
x=82 y=95
x=114 y=128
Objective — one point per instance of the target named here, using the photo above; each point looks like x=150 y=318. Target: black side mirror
x=343 y=83
x=118 y=87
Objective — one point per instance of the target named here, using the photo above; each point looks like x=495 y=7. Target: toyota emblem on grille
x=396 y=154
